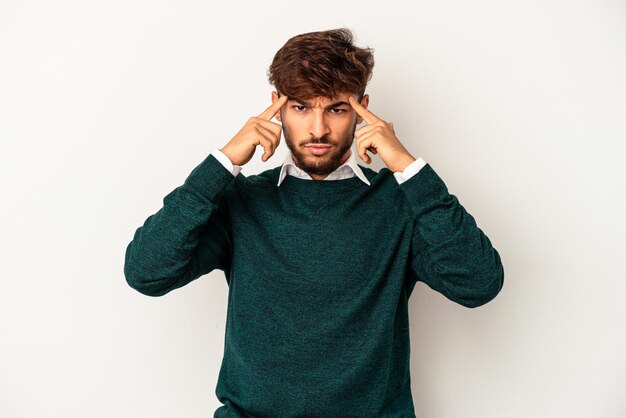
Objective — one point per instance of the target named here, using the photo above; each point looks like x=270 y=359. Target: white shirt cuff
x=228 y=165
x=411 y=170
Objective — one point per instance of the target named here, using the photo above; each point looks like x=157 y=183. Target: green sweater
x=319 y=276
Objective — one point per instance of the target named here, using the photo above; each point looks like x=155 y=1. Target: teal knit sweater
x=319 y=275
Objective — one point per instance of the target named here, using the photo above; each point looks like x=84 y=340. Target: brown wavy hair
x=324 y=63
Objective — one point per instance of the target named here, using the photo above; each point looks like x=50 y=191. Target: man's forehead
x=323 y=101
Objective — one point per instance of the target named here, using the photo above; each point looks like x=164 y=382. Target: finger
x=361 y=147
x=270 y=134
x=366 y=135
x=367 y=128
x=269 y=113
x=369 y=138
x=265 y=134
x=362 y=111
x=365 y=158
x=268 y=147
x=274 y=127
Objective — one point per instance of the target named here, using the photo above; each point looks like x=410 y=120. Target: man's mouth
x=318 y=149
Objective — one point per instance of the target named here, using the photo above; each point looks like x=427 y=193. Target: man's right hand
x=259 y=130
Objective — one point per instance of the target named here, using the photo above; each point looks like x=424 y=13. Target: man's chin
x=318 y=159
x=318 y=164
x=320 y=168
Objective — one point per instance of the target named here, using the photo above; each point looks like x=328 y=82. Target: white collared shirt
x=347 y=170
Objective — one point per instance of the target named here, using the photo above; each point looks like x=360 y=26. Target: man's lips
x=318 y=149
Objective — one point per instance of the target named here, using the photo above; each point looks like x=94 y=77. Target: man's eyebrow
x=305 y=103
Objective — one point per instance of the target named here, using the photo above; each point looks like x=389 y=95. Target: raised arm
x=191 y=234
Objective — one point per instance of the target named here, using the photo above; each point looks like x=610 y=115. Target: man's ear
x=274 y=98
x=364 y=102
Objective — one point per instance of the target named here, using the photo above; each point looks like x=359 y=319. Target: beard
x=319 y=164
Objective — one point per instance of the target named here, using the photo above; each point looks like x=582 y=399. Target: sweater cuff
x=424 y=188
x=209 y=178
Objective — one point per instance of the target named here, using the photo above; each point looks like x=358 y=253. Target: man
x=320 y=254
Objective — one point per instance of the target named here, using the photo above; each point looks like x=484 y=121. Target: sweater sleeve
x=448 y=251
x=188 y=237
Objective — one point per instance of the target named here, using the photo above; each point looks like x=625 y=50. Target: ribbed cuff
x=424 y=189
x=209 y=178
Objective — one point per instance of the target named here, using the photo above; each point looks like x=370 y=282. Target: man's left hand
x=378 y=137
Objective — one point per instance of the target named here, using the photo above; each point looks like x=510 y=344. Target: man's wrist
x=401 y=164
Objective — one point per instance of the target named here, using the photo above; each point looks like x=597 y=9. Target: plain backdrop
x=105 y=107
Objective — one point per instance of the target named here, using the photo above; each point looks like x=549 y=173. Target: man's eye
x=334 y=110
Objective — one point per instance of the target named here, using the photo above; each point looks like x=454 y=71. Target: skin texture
x=320 y=120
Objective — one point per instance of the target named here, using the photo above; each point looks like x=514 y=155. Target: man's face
x=328 y=123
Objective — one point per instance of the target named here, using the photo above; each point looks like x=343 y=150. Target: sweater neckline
x=319 y=186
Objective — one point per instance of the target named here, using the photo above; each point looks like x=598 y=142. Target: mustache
x=325 y=140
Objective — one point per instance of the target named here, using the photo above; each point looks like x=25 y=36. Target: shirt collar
x=348 y=169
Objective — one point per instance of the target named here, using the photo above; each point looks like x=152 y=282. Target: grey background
x=105 y=107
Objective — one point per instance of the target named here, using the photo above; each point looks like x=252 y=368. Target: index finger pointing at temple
x=269 y=113
x=362 y=111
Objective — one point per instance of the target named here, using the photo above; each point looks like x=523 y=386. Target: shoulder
x=263 y=180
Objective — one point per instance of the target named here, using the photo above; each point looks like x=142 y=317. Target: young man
x=320 y=254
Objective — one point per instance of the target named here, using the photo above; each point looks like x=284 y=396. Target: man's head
x=318 y=71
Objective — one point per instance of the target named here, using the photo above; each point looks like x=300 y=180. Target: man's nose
x=319 y=126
